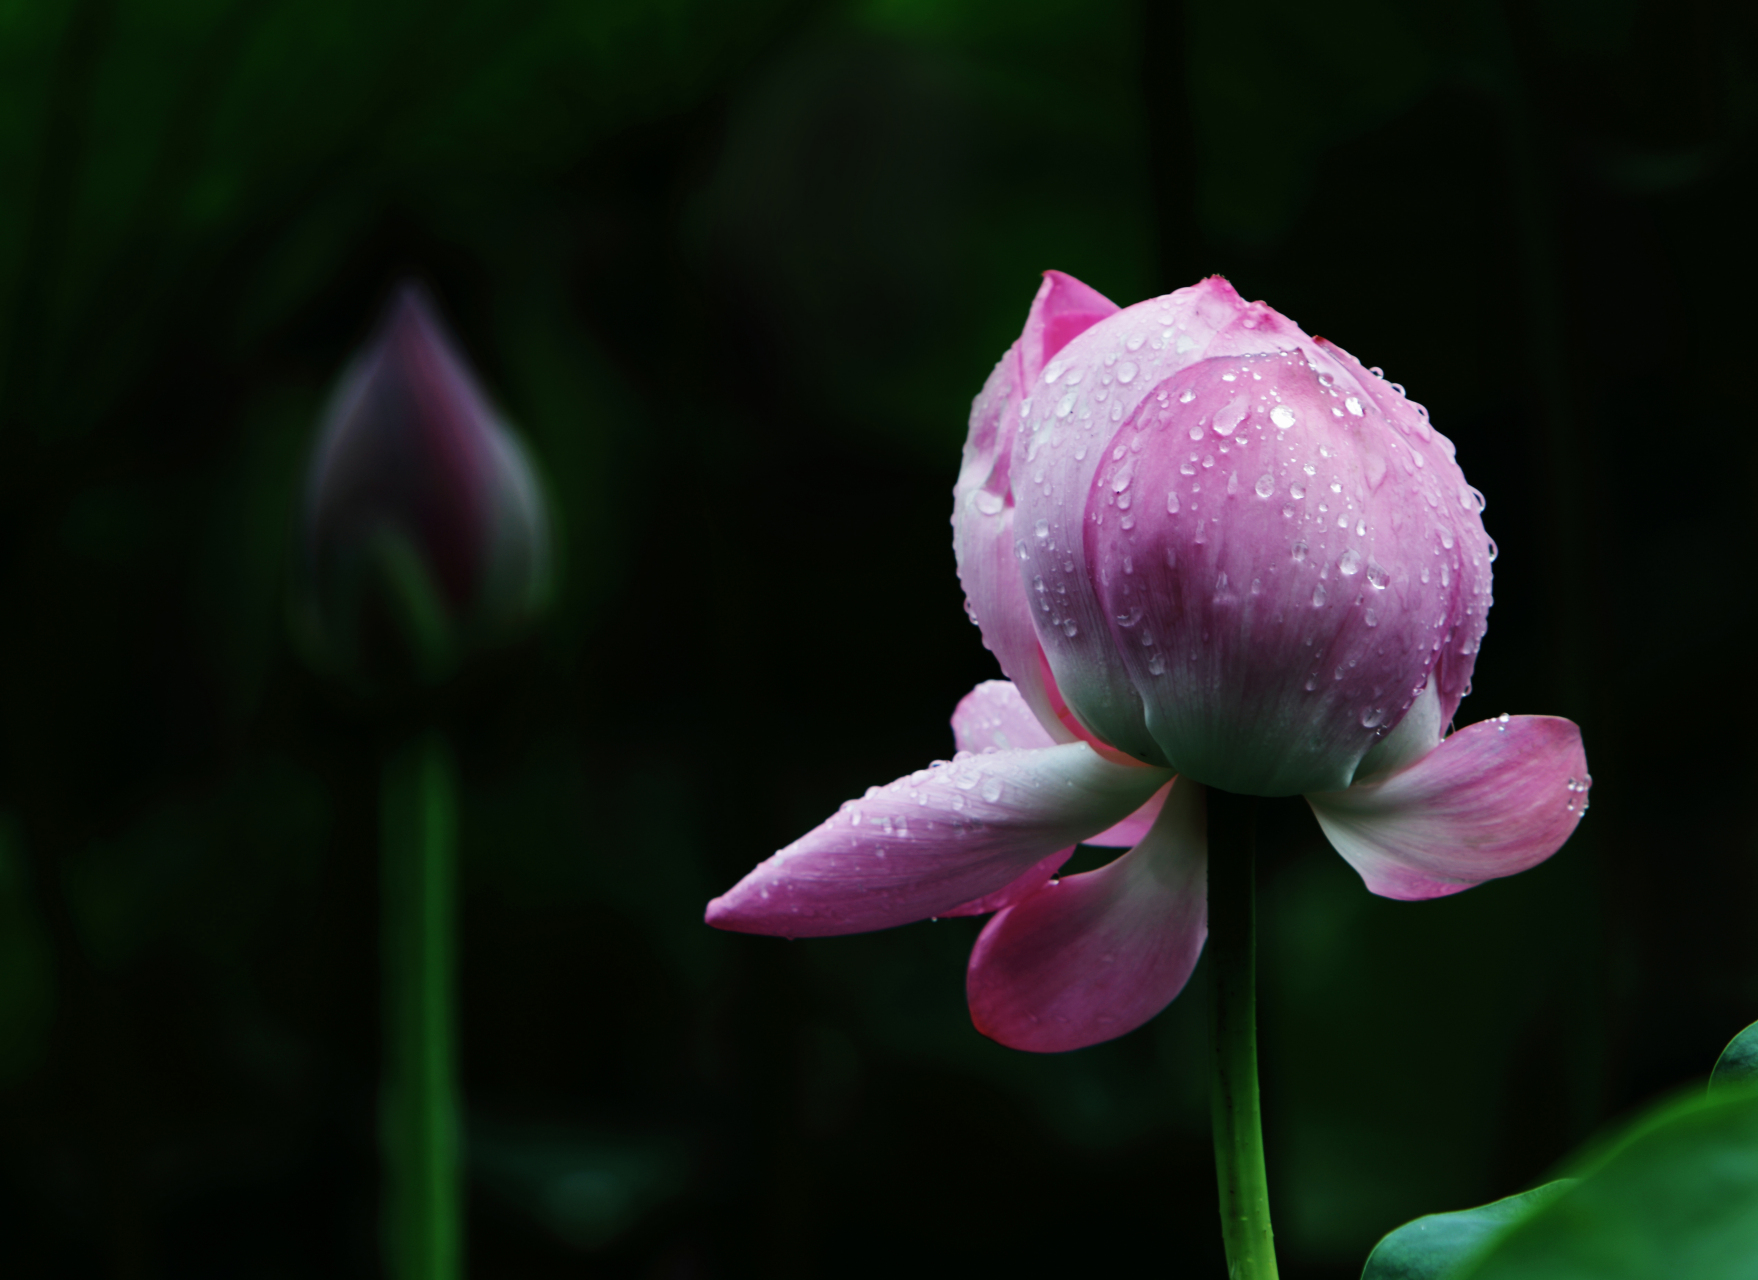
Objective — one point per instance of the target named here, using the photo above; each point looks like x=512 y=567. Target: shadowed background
x=736 y=270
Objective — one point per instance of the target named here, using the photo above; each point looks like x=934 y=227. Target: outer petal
x=1496 y=798
x=1278 y=571
x=1026 y=885
x=982 y=501
x=1092 y=956
x=1100 y=378
x=1133 y=829
x=935 y=840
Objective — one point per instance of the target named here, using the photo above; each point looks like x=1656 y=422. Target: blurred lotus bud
x=425 y=532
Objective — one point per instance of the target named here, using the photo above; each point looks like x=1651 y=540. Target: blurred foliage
x=735 y=270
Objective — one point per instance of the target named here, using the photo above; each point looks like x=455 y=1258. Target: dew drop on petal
x=1350 y=563
x=1282 y=416
x=1266 y=485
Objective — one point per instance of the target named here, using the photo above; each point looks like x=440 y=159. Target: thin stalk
x=418 y=1102
x=1233 y=1102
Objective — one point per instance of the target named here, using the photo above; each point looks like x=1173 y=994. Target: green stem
x=418 y=1104
x=1233 y=1103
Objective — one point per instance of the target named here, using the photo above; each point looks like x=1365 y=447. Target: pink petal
x=1495 y=798
x=937 y=839
x=984 y=534
x=1029 y=883
x=1252 y=562
x=994 y=716
x=1063 y=310
x=1133 y=829
x=1095 y=955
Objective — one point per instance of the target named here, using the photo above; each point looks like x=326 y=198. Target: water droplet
x=1134 y=341
x=1309 y=469
x=1371 y=618
x=1353 y=405
x=1493 y=551
x=1266 y=485
x=1021 y=550
x=1126 y=372
x=1054 y=371
x=1311 y=683
x=1171 y=504
x=1371 y=717
x=1156 y=664
x=1378 y=575
x=1069 y=629
x=1187 y=469
x=1227 y=419
x=1350 y=564
x=1208 y=460
x=1297 y=491
x=1188 y=396
x=992 y=789
x=989 y=504
x=1318 y=596
x=1425 y=574
x=1282 y=416
x=1042 y=528
x=1299 y=550
x=1233 y=483
x=1065 y=406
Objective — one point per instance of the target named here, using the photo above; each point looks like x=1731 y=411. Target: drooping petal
x=1133 y=829
x=1095 y=955
x=1033 y=880
x=937 y=839
x=1417 y=734
x=984 y=537
x=993 y=716
x=1495 y=798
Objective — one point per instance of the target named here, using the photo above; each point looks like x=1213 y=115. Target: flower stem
x=1233 y=1102
x=418 y=1104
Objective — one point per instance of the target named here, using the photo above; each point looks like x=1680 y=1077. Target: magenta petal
x=994 y=716
x=1133 y=829
x=1029 y=883
x=933 y=841
x=1495 y=798
x=1095 y=955
x=984 y=539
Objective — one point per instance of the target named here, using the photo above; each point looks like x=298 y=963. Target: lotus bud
x=422 y=510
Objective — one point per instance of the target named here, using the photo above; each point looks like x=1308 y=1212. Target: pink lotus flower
x=1207 y=550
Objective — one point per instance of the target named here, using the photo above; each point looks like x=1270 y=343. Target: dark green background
x=736 y=269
